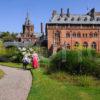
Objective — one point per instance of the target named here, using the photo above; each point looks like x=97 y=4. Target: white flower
x=19 y=48
x=30 y=49
x=28 y=54
x=24 y=53
x=23 y=49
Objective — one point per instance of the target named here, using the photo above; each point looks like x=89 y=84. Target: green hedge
x=75 y=62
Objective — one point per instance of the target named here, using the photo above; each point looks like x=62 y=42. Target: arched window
x=68 y=46
x=85 y=35
x=85 y=45
x=78 y=34
x=57 y=38
x=95 y=35
x=91 y=35
x=74 y=34
x=67 y=35
x=94 y=45
x=76 y=44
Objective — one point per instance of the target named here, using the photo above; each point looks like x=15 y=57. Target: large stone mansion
x=66 y=30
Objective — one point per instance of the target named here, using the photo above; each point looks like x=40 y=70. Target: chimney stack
x=42 y=28
x=62 y=12
x=54 y=13
x=93 y=13
x=68 y=13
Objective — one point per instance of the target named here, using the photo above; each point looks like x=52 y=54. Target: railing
x=18 y=44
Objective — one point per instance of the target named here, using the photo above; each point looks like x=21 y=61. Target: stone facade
x=71 y=30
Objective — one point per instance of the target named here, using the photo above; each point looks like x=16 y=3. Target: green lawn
x=1 y=73
x=44 y=88
x=10 y=64
x=14 y=65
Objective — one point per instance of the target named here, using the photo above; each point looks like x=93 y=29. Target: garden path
x=15 y=85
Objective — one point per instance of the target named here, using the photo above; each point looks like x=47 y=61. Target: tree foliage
x=7 y=36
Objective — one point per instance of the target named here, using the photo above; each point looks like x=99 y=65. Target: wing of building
x=66 y=30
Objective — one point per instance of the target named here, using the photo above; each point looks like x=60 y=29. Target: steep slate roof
x=75 y=19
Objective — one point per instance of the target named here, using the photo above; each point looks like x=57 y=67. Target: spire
x=27 y=20
x=27 y=17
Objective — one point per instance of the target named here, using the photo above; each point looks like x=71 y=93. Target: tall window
x=94 y=45
x=85 y=45
x=85 y=35
x=67 y=35
x=91 y=35
x=74 y=34
x=57 y=38
x=95 y=35
x=78 y=34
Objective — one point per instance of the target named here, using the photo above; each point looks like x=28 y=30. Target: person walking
x=35 y=60
x=25 y=61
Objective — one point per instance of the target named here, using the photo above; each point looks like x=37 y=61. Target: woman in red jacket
x=35 y=60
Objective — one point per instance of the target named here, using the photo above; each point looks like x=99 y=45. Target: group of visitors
x=33 y=60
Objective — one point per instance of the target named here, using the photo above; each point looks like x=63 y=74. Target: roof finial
x=27 y=15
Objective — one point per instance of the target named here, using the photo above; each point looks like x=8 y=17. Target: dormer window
x=98 y=19
x=58 y=19
x=72 y=19
x=65 y=19
x=85 y=19
x=91 y=19
x=79 y=19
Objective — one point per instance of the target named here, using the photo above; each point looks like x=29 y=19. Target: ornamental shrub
x=75 y=62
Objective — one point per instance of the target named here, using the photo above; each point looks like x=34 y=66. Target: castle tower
x=28 y=27
x=27 y=34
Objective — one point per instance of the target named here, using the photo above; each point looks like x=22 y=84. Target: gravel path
x=15 y=85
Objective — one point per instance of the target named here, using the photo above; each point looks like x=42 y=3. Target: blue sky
x=13 y=12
